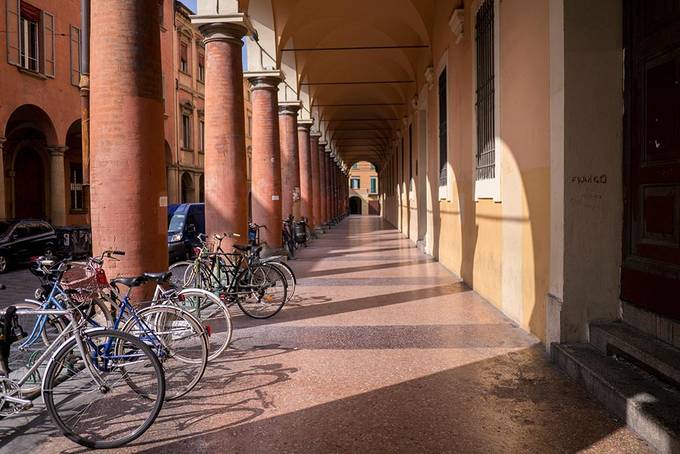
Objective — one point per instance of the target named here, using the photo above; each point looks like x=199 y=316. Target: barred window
x=443 y=146
x=485 y=103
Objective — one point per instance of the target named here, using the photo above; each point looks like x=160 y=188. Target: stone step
x=649 y=407
x=648 y=352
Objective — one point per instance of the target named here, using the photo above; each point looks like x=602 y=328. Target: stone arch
x=29 y=131
x=187 y=188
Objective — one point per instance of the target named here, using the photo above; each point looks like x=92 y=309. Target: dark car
x=23 y=239
x=186 y=222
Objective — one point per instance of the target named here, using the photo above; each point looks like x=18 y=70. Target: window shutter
x=12 y=17
x=75 y=55
x=48 y=44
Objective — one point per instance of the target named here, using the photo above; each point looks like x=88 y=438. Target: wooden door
x=650 y=276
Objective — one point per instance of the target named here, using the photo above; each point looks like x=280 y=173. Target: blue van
x=185 y=222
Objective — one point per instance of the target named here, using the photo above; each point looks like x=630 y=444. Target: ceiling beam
x=360 y=82
x=369 y=104
x=354 y=48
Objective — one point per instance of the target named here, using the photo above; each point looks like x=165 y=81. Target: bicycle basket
x=84 y=281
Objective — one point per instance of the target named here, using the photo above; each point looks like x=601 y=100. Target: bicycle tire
x=215 y=321
x=246 y=307
x=169 y=324
x=141 y=355
x=291 y=280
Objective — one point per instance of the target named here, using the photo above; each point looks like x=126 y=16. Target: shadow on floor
x=293 y=313
x=510 y=403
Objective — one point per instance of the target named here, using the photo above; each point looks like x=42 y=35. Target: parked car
x=186 y=222
x=22 y=239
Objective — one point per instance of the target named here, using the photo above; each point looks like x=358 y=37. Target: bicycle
x=260 y=290
x=102 y=388
x=175 y=336
x=254 y=258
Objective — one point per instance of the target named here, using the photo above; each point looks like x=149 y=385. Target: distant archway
x=201 y=189
x=355 y=205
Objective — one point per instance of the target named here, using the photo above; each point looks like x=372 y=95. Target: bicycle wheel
x=288 y=273
x=179 y=270
x=87 y=393
x=267 y=292
x=178 y=340
x=213 y=315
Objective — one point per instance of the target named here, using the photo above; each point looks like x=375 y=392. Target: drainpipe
x=85 y=99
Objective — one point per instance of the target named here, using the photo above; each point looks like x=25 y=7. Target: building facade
x=364 y=197
x=40 y=110
x=40 y=139
x=183 y=54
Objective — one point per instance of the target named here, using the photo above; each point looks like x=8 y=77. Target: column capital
x=315 y=134
x=2 y=142
x=57 y=150
x=289 y=107
x=264 y=80
x=228 y=28
x=305 y=125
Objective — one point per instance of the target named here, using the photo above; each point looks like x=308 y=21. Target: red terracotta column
x=323 y=188
x=334 y=187
x=290 y=159
x=306 y=185
x=128 y=195
x=316 y=178
x=329 y=186
x=226 y=191
x=323 y=168
x=266 y=159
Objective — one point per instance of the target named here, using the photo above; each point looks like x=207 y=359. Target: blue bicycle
x=174 y=335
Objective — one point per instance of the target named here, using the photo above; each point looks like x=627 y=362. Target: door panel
x=650 y=277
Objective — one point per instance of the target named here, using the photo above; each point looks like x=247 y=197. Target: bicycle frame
x=71 y=330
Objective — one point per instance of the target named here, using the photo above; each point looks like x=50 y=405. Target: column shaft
x=290 y=161
x=266 y=160
x=323 y=166
x=306 y=189
x=57 y=186
x=225 y=183
x=323 y=189
x=127 y=162
x=316 y=179
x=3 y=195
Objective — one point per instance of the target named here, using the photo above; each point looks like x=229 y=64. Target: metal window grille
x=443 y=145
x=486 y=134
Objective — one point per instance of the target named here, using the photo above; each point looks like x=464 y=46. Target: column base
x=318 y=231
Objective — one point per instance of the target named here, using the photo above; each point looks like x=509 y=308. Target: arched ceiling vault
x=356 y=62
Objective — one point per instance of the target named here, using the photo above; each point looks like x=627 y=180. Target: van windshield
x=176 y=223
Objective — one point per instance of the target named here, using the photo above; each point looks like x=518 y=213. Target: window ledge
x=488 y=189
x=83 y=211
x=185 y=73
x=186 y=149
x=30 y=72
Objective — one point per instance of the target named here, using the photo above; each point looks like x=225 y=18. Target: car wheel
x=4 y=264
x=49 y=251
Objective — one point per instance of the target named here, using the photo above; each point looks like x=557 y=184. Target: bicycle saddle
x=135 y=281
x=158 y=277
